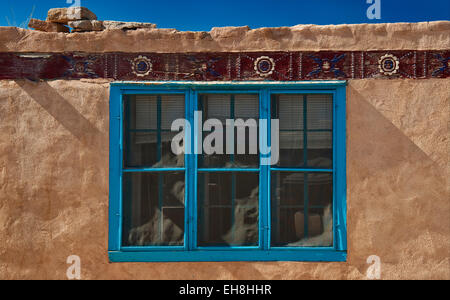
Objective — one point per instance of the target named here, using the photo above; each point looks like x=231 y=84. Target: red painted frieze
x=248 y=66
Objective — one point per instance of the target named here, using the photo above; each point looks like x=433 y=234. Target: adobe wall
x=394 y=36
x=54 y=159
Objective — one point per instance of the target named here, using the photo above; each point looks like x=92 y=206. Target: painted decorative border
x=264 y=66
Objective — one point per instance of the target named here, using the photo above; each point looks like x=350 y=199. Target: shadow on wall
x=54 y=164
x=60 y=109
x=398 y=204
x=377 y=136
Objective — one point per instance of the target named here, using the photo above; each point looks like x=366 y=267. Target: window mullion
x=233 y=174
x=160 y=176
x=264 y=193
x=191 y=176
x=305 y=163
x=340 y=176
x=115 y=169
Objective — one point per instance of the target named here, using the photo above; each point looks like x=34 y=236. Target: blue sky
x=205 y=14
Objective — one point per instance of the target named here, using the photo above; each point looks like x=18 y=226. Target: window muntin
x=196 y=246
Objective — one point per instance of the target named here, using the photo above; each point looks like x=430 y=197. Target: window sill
x=322 y=255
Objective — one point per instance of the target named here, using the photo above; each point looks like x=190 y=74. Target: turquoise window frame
x=264 y=251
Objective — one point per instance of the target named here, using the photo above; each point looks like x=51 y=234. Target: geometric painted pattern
x=248 y=66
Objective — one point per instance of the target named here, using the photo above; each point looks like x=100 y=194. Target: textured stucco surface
x=54 y=186
x=54 y=158
x=393 y=36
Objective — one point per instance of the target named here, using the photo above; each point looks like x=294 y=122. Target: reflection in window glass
x=320 y=112
x=306 y=122
x=302 y=202
x=153 y=209
x=302 y=213
x=320 y=150
x=147 y=130
x=233 y=107
x=228 y=209
x=301 y=207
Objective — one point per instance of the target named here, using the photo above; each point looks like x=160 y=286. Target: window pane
x=153 y=209
x=302 y=209
x=142 y=112
x=228 y=209
x=291 y=149
x=223 y=107
x=289 y=110
x=147 y=134
x=303 y=126
x=320 y=149
x=320 y=112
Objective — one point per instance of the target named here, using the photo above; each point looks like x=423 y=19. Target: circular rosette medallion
x=142 y=66
x=264 y=66
x=389 y=64
x=80 y=67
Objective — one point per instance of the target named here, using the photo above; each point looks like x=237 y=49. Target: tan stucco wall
x=54 y=185
x=54 y=159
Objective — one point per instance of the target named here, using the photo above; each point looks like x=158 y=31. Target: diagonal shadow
x=396 y=192
x=60 y=109
x=375 y=143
